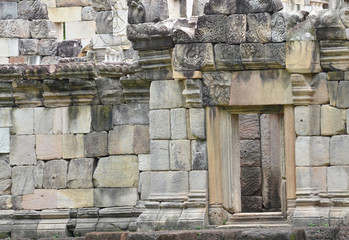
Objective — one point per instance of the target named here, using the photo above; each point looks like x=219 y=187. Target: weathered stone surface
x=28 y=46
x=339 y=150
x=332 y=120
x=115 y=197
x=236 y=29
x=198 y=181
x=342 y=93
x=6 y=200
x=14 y=28
x=278 y=27
x=104 y=22
x=55 y=174
x=40 y=199
x=5 y=170
x=102 y=117
x=116 y=171
x=158 y=10
x=75 y=198
x=4 y=140
x=220 y=7
x=121 y=140
x=199 y=155
x=160 y=124
x=251 y=181
x=194 y=56
x=65 y=14
x=5 y=117
x=197 y=125
x=258 y=27
x=79 y=119
x=132 y=113
x=80 y=173
x=337 y=178
x=88 y=14
x=312 y=151
x=275 y=55
x=216 y=89
x=38 y=174
x=8 y=10
x=22 y=150
x=32 y=10
x=169 y=185
x=47 y=47
x=319 y=84
x=144 y=162
x=42 y=29
x=249 y=126
x=253 y=55
x=141 y=139
x=74 y=3
x=261 y=87
x=73 y=146
x=49 y=146
x=166 y=94
x=306 y=50
x=311 y=178
x=22 y=180
x=250 y=153
x=332 y=56
x=211 y=28
x=109 y=91
x=227 y=57
x=5 y=186
x=307 y=120
x=43 y=121
x=69 y=48
x=251 y=203
x=96 y=144
x=136 y=12
x=178 y=123
x=144 y=185
x=160 y=154
x=180 y=155
x=23 y=120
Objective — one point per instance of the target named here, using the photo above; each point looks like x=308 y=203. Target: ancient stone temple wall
x=159 y=141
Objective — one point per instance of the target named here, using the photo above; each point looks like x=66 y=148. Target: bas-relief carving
x=136 y=12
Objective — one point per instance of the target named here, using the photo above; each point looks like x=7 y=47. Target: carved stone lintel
x=253 y=55
x=275 y=54
x=227 y=57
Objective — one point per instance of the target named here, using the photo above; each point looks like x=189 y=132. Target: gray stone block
x=314 y=151
x=55 y=174
x=23 y=120
x=141 y=139
x=211 y=28
x=28 y=46
x=38 y=174
x=199 y=155
x=102 y=117
x=342 y=94
x=79 y=119
x=159 y=124
x=5 y=186
x=22 y=180
x=69 y=48
x=227 y=57
x=180 y=155
x=337 y=177
x=332 y=120
x=4 y=140
x=179 y=123
x=104 y=22
x=47 y=47
x=32 y=10
x=8 y=10
x=251 y=203
x=339 y=150
x=250 y=153
x=96 y=144
x=43 y=121
x=115 y=197
x=278 y=27
x=314 y=178
x=88 y=14
x=132 y=114
x=5 y=201
x=259 y=27
x=22 y=150
x=307 y=120
x=42 y=29
x=14 y=28
x=5 y=116
x=144 y=162
x=121 y=140
x=144 y=185
x=249 y=127
x=198 y=181
x=166 y=94
x=160 y=154
x=197 y=127
x=216 y=88
x=80 y=173
x=5 y=172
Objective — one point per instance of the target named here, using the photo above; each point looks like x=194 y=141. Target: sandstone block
x=197 y=127
x=43 y=121
x=15 y=28
x=4 y=140
x=211 y=28
x=332 y=92
x=335 y=76
x=102 y=117
x=64 y=14
x=253 y=55
x=74 y=3
x=42 y=29
x=217 y=86
x=80 y=30
x=115 y=197
x=79 y=119
x=251 y=203
x=144 y=185
x=5 y=172
x=6 y=200
x=49 y=146
x=5 y=186
x=116 y=171
x=74 y=198
x=88 y=14
x=339 y=150
x=47 y=47
x=22 y=180
x=311 y=178
x=312 y=151
x=132 y=113
x=278 y=27
x=275 y=54
x=49 y=3
x=73 y=146
x=28 y=46
x=306 y=50
x=69 y=48
x=5 y=117
x=180 y=155
x=8 y=10
x=9 y=47
x=159 y=124
x=80 y=173
x=141 y=139
x=342 y=94
x=144 y=162
x=38 y=174
x=169 y=185
x=32 y=10
x=22 y=150
x=178 y=123
x=121 y=140
x=258 y=27
x=166 y=94
x=55 y=174
x=40 y=199
x=23 y=120
x=199 y=155
x=227 y=57
x=249 y=126
x=60 y=120
x=236 y=28
x=332 y=120
x=160 y=154
x=307 y=120
x=251 y=181
x=250 y=153
x=198 y=181
x=337 y=177
x=96 y=144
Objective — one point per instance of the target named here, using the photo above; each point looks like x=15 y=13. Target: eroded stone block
x=250 y=153
x=216 y=89
x=104 y=22
x=159 y=124
x=311 y=178
x=178 y=123
x=88 y=14
x=4 y=140
x=249 y=126
x=80 y=173
x=96 y=144
x=55 y=174
x=312 y=151
x=166 y=94
x=73 y=146
x=141 y=139
x=43 y=121
x=8 y=10
x=253 y=55
x=211 y=28
x=47 y=47
x=79 y=119
x=199 y=155
x=40 y=199
x=342 y=94
x=307 y=120
x=42 y=29
x=38 y=174
x=198 y=181
x=22 y=180
x=339 y=150
x=144 y=162
x=32 y=10
x=251 y=181
x=308 y=51
x=227 y=57
x=5 y=117
x=69 y=48
x=102 y=117
x=28 y=46
x=115 y=197
x=23 y=120
x=258 y=28
x=337 y=178
x=5 y=172
x=236 y=28
x=197 y=126
x=131 y=114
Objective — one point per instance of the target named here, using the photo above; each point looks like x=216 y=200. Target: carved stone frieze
x=211 y=28
x=275 y=55
x=27 y=93
x=227 y=57
x=84 y=91
x=278 y=27
x=184 y=30
x=253 y=55
x=216 y=88
x=236 y=28
x=56 y=93
x=258 y=27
